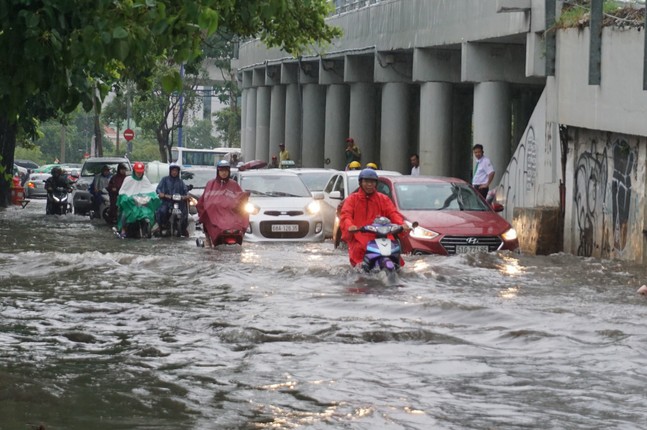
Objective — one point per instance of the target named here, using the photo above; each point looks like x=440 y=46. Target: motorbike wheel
x=146 y=230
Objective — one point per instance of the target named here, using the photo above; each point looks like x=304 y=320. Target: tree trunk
x=7 y=148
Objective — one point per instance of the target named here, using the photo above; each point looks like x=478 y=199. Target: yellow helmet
x=371 y=166
x=354 y=165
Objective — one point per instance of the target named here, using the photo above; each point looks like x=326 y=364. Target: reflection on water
x=102 y=333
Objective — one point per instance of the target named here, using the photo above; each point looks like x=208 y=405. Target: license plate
x=285 y=228
x=462 y=249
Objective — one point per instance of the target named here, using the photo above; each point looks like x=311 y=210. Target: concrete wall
x=398 y=24
x=532 y=177
x=618 y=103
x=605 y=195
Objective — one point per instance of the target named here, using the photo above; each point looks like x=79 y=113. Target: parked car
x=27 y=164
x=81 y=198
x=314 y=178
x=280 y=207
x=453 y=218
x=35 y=185
x=337 y=189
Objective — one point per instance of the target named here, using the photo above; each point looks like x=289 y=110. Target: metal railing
x=342 y=6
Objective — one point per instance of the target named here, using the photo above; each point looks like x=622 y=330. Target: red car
x=453 y=218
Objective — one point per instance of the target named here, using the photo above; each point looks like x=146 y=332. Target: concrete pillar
x=249 y=150
x=362 y=119
x=277 y=119
x=395 y=136
x=492 y=124
x=435 y=128
x=314 y=117
x=263 y=95
x=293 y=121
x=243 y=118
x=337 y=98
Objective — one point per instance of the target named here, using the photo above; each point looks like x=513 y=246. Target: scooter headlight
x=192 y=201
x=251 y=208
x=511 y=234
x=419 y=232
x=313 y=208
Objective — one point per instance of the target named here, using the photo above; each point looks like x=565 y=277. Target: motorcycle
x=382 y=252
x=58 y=202
x=176 y=222
x=138 y=224
x=226 y=237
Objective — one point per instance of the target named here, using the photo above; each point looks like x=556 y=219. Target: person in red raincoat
x=114 y=185
x=221 y=205
x=360 y=209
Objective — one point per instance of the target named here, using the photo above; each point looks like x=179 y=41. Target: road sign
x=129 y=134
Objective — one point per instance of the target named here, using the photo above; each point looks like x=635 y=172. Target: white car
x=339 y=186
x=280 y=207
x=315 y=178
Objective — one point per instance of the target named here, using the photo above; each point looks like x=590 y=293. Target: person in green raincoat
x=129 y=210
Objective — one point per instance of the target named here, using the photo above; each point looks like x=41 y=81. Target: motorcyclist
x=99 y=182
x=167 y=187
x=360 y=209
x=56 y=180
x=220 y=207
x=114 y=185
x=371 y=166
x=129 y=212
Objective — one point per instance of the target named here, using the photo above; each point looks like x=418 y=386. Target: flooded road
x=101 y=333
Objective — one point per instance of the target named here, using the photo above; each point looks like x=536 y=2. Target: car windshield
x=91 y=169
x=274 y=186
x=438 y=196
x=315 y=181
x=198 y=178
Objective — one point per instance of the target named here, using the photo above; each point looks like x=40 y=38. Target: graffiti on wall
x=595 y=195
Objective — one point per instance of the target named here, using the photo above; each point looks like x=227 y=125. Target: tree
x=160 y=112
x=59 y=54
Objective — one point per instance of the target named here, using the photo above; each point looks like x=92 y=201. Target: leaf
x=119 y=33
x=172 y=81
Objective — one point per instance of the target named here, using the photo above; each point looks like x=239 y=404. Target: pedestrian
x=284 y=155
x=352 y=151
x=483 y=174
x=415 y=165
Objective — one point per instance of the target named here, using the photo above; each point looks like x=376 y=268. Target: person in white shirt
x=415 y=165
x=483 y=171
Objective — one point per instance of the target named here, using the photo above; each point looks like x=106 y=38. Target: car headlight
x=251 y=208
x=511 y=234
x=421 y=232
x=313 y=208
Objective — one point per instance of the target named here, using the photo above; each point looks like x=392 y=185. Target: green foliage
x=34 y=154
x=578 y=13
x=228 y=124
x=199 y=135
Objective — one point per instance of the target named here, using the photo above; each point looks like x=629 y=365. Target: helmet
x=139 y=167
x=354 y=165
x=371 y=166
x=173 y=166
x=223 y=164
x=368 y=174
x=57 y=171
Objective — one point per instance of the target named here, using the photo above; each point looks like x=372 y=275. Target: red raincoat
x=220 y=208
x=361 y=209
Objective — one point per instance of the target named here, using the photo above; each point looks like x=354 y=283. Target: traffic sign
x=129 y=134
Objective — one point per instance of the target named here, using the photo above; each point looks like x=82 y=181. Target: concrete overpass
x=437 y=76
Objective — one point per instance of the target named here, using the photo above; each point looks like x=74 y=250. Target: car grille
x=266 y=229
x=279 y=213
x=450 y=242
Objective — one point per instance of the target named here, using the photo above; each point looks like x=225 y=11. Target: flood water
x=102 y=333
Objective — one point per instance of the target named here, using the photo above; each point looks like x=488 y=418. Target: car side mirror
x=335 y=195
x=318 y=195
x=497 y=207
